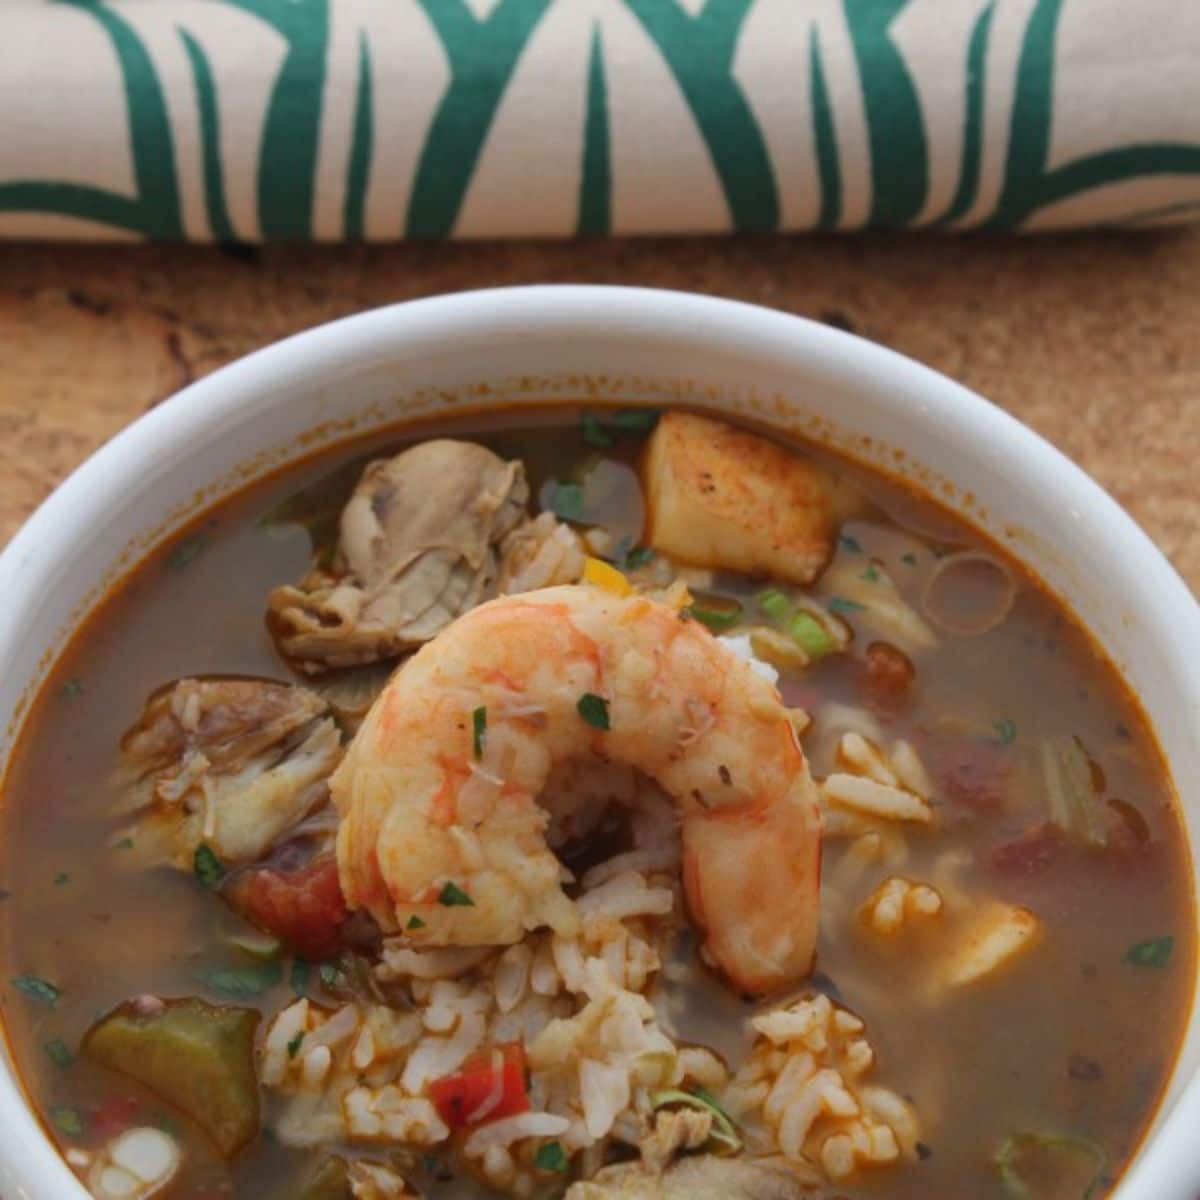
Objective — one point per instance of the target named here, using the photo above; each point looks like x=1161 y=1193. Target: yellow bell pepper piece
x=605 y=575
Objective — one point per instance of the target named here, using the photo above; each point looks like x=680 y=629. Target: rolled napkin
x=247 y=120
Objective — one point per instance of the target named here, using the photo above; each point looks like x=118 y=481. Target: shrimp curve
x=441 y=834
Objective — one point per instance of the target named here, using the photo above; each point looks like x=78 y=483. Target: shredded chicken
x=233 y=763
x=699 y=1177
x=418 y=546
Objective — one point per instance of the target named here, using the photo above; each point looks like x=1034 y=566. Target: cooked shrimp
x=442 y=836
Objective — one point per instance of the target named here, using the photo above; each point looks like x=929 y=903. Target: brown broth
x=1076 y=1040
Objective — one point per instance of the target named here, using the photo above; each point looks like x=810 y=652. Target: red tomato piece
x=303 y=908
x=1034 y=851
x=974 y=775
x=488 y=1086
x=114 y=1115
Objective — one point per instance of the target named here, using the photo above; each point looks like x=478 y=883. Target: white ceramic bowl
x=539 y=344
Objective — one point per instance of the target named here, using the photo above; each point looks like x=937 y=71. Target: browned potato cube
x=717 y=496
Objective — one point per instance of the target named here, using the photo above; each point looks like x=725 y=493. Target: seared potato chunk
x=722 y=497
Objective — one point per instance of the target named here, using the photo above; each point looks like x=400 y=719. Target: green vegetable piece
x=637 y=557
x=415 y=922
x=840 y=604
x=850 y=543
x=57 y=1052
x=775 y=604
x=1153 y=953
x=479 y=730
x=551 y=1157
x=293 y=1047
x=594 y=710
x=72 y=688
x=240 y=983
x=811 y=636
x=633 y=420
x=1035 y=1164
x=196 y=1056
x=871 y=574
x=37 y=988
x=185 y=551
x=208 y=867
x=126 y=843
x=724 y=1133
x=68 y=1120
x=594 y=432
x=1006 y=732
x=452 y=896
x=566 y=501
x=910 y=559
x=717 y=612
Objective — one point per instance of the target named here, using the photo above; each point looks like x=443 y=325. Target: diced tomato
x=1034 y=851
x=973 y=775
x=488 y=1086
x=113 y=1116
x=303 y=908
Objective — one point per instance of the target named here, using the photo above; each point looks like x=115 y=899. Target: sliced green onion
x=724 y=1132
x=1035 y=1164
x=811 y=636
x=1006 y=732
x=415 y=922
x=452 y=896
x=840 y=604
x=594 y=710
x=479 y=730
x=774 y=603
x=207 y=866
x=717 y=612
x=37 y=988
x=551 y=1157
x=1153 y=953
x=1070 y=791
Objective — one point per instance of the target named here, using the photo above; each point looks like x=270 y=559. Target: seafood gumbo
x=599 y=804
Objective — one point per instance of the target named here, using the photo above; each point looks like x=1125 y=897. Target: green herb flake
x=594 y=710
x=452 y=896
x=168 y=1125
x=301 y=976
x=909 y=559
x=871 y=574
x=551 y=1157
x=716 y=611
x=72 y=688
x=566 y=501
x=1005 y=731
x=37 y=988
x=67 y=1120
x=840 y=604
x=240 y=983
x=637 y=557
x=126 y=843
x=207 y=866
x=774 y=603
x=1153 y=953
x=293 y=1047
x=479 y=730
x=57 y=1052
x=852 y=544
x=633 y=420
x=61 y=878
x=415 y=922
x=594 y=432
x=185 y=551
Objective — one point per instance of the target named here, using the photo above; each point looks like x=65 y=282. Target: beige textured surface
x=1093 y=340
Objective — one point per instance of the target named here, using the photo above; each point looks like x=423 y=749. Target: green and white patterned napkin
x=382 y=119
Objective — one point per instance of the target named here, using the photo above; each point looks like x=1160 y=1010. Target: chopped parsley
x=293 y=1047
x=126 y=843
x=594 y=432
x=415 y=922
x=67 y=1120
x=57 y=1052
x=551 y=1157
x=910 y=559
x=633 y=420
x=452 y=896
x=479 y=730
x=37 y=988
x=850 y=543
x=566 y=501
x=1006 y=732
x=185 y=551
x=72 y=688
x=208 y=867
x=840 y=604
x=1153 y=953
x=871 y=574
x=61 y=878
x=638 y=556
x=594 y=710
x=240 y=983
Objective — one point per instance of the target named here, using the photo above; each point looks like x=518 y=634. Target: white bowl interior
x=607 y=345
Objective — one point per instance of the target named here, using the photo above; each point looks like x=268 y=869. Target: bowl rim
x=211 y=407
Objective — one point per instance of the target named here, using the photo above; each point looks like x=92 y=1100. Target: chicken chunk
x=722 y=497
x=418 y=546
x=233 y=763
x=701 y=1177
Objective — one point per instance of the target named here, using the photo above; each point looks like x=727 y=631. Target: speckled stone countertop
x=1093 y=340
